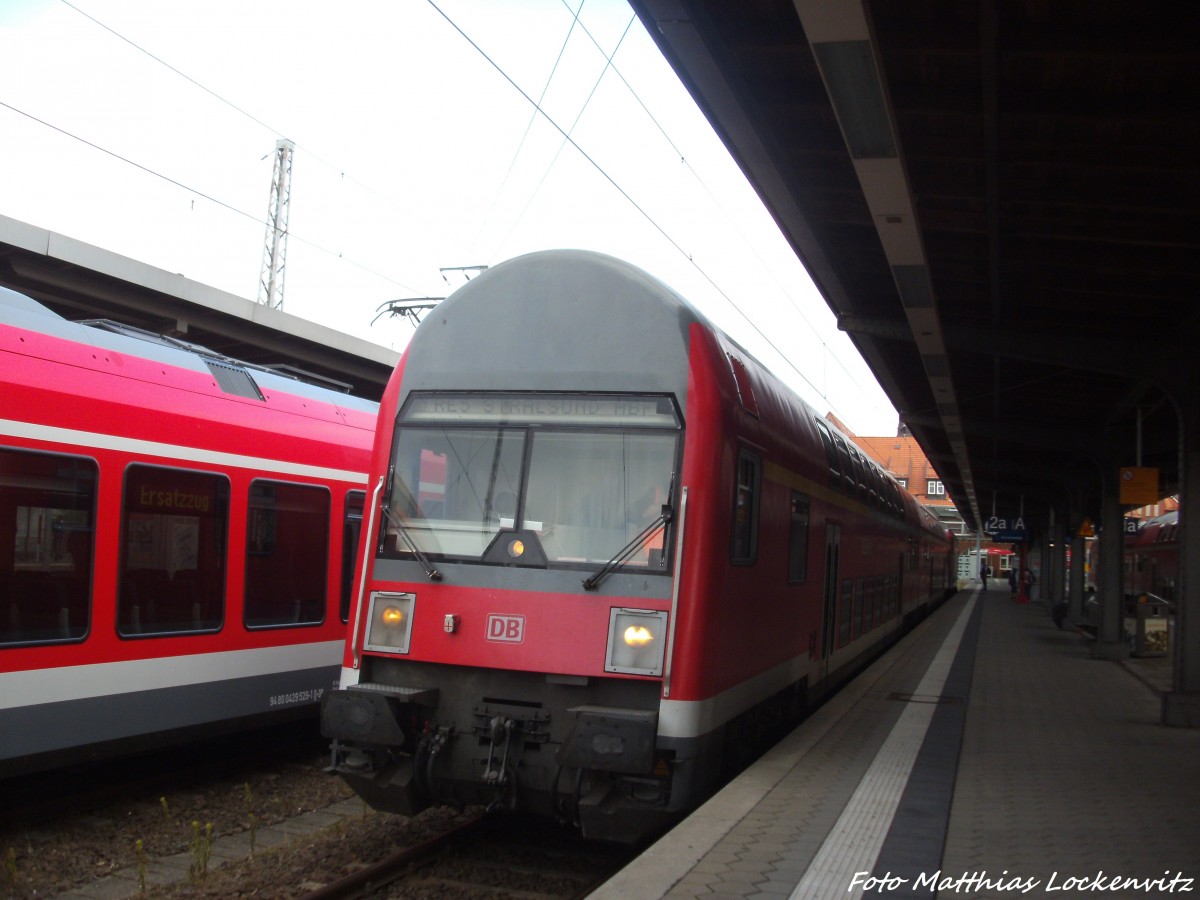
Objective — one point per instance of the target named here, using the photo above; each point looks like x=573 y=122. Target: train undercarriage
x=585 y=753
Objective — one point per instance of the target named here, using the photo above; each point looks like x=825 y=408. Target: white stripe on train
x=70 y=438
x=51 y=685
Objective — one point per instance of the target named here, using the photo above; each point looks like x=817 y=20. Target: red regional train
x=1152 y=558
x=175 y=532
x=609 y=556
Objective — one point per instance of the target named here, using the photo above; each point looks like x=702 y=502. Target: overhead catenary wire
x=746 y=242
x=632 y=202
x=197 y=192
x=610 y=66
x=210 y=92
x=532 y=116
x=258 y=219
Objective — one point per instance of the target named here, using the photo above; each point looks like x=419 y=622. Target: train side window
x=831 y=454
x=745 y=387
x=798 y=540
x=174 y=528
x=876 y=484
x=47 y=507
x=845 y=612
x=351 y=534
x=745 y=508
x=287 y=555
x=862 y=469
x=857 y=626
x=848 y=484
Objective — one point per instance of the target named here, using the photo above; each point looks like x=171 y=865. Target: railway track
x=498 y=856
x=49 y=795
x=66 y=830
x=302 y=849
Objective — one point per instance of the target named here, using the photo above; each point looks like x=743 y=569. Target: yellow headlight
x=638 y=635
x=516 y=548
x=633 y=641
x=390 y=621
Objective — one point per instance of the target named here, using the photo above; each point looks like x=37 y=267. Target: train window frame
x=155 y=545
x=629 y=416
x=13 y=614
x=747 y=497
x=263 y=551
x=799 y=519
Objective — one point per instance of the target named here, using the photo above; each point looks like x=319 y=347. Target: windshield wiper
x=430 y=570
x=664 y=519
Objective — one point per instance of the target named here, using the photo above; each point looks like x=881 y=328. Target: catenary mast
x=270 y=286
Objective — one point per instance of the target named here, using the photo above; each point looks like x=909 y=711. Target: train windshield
x=585 y=474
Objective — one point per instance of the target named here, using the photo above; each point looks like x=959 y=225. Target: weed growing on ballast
x=10 y=871
x=202 y=842
x=142 y=865
x=253 y=818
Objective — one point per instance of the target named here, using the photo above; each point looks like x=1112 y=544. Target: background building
x=900 y=456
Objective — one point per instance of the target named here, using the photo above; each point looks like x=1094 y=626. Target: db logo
x=510 y=629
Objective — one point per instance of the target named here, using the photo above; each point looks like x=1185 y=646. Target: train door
x=351 y=534
x=833 y=544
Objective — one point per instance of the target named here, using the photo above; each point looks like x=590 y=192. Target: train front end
x=516 y=594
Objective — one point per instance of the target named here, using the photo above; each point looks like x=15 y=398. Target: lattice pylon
x=270 y=286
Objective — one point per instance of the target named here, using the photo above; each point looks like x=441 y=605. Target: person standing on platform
x=983 y=573
x=1012 y=581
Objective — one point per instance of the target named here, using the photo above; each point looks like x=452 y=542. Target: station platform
x=987 y=754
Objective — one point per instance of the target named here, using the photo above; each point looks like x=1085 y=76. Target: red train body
x=1150 y=563
x=1152 y=558
x=610 y=556
x=175 y=533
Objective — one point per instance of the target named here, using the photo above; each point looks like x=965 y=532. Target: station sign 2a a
x=1007 y=529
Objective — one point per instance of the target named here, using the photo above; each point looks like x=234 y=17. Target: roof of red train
x=600 y=325
x=20 y=311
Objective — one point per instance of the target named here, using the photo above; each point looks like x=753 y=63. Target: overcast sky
x=430 y=135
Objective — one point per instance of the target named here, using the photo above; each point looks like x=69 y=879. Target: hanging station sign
x=1007 y=529
x=1138 y=486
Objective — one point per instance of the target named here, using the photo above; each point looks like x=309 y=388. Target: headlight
x=389 y=625
x=636 y=641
